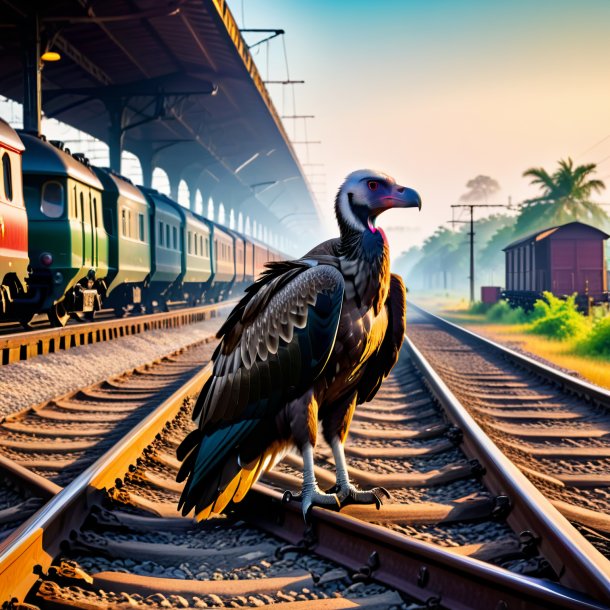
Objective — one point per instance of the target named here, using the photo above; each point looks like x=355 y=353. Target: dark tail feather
x=206 y=463
x=190 y=441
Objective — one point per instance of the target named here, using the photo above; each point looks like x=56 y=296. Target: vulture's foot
x=349 y=494
x=313 y=497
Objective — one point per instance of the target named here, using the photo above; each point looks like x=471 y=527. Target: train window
x=201 y=245
x=82 y=206
x=189 y=237
x=52 y=199
x=8 y=178
x=168 y=243
x=196 y=245
x=124 y=222
x=215 y=249
x=175 y=235
x=141 y=227
x=160 y=240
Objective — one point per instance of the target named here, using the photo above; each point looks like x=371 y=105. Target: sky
x=436 y=92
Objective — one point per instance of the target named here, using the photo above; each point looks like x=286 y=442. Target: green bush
x=502 y=313
x=478 y=307
x=597 y=342
x=557 y=318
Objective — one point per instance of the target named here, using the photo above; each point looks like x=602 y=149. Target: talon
x=351 y=495
x=318 y=498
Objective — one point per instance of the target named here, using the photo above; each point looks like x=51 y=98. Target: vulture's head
x=367 y=193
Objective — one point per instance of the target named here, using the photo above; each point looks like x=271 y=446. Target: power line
x=471 y=207
x=592 y=147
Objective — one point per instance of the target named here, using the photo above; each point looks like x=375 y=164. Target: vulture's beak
x=401 y=197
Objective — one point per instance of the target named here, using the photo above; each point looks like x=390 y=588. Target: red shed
x=562 y=260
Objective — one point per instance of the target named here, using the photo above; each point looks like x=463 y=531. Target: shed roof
x=130 y=50
x=545 y=233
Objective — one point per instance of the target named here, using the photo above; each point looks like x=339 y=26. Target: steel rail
x=419 y=569
x=578 y=564
x=27 y=345
x=36 y=543
x=578 y=386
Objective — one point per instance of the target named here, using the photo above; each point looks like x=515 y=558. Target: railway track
x=46 y=446
x=554 y=427
x=458 y=533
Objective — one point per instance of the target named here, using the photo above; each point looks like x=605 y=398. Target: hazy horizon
x=438 y=92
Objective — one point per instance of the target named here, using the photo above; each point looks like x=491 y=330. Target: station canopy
x=176 y=83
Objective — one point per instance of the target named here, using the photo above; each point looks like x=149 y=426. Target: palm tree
x=565 y=196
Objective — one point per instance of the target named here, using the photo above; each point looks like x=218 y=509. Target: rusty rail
x=427 y=572
x=38 y=540
x=424 y=571
x=27 y=345
x=579 y=565
x=572 y=384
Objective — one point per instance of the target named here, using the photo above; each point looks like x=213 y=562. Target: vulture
x=310 y=340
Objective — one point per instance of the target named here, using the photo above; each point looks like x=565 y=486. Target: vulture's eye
x=373 y=185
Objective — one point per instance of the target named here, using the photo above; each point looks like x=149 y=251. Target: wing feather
x=273 y=346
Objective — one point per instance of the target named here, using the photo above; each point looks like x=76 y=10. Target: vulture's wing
x=274 y=345
x=378 y=367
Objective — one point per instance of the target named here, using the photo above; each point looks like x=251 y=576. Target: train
x=75 y=238
x=563 y=260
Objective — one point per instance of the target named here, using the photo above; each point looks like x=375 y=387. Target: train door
x=85 y=225
x=590 y=267
x=93 y=228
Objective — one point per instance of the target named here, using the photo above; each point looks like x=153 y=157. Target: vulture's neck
x=368 y=258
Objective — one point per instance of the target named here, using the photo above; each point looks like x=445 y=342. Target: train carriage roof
x=119 y=184
x=9 y=137
x=545 y=233
x=41 y=157
x=220 y=229
x=159 y=199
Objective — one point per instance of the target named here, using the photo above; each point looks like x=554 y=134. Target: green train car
x=68 y=245
x=73 y=237
x=196 y=260
x=127 y=222
x=167 y=251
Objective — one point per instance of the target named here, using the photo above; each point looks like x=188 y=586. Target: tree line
x=441 y=263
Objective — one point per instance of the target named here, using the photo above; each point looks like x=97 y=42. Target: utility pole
x=471 y=207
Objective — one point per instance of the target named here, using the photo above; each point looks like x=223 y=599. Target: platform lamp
x=50 y=56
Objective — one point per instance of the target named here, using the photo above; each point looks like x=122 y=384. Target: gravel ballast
x=31 y=382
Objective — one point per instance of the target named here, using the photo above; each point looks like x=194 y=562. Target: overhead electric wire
x=594 y=146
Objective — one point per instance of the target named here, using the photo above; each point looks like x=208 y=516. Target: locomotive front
x=68 y=246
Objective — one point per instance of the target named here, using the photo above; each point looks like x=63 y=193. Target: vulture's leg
x=302 y=414
x=311 y=494
x=348 y=493
x=336 y=427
